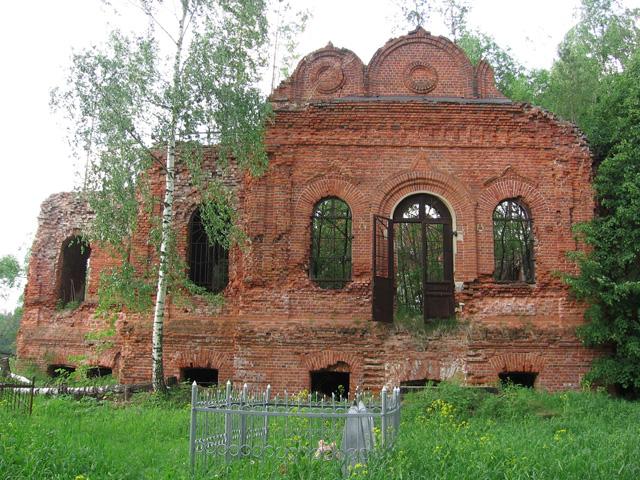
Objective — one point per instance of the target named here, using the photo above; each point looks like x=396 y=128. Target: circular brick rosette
x=327 y=76
x=420 y=77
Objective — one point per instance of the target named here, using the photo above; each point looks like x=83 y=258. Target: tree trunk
x=167 y=220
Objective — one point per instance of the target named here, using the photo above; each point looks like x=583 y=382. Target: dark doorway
x=423 y=251
x=522 y=379
x=55 y=371
x=326 y=382
x=202 y=376
x=73 y=271
x=97 y=372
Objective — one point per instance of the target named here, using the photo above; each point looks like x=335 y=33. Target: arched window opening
x=208 y=261
x=73 y=273
x=202 y=376
x=513 y=242
x=331 y=243
x=522 y=379
x=423 y=258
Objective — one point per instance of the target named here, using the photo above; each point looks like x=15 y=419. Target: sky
x=37 y=38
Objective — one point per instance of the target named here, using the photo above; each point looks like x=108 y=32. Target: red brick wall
x=371 y=150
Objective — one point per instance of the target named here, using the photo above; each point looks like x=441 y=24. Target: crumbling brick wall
x=418 y=118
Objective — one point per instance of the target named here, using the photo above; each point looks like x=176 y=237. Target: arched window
x=513 y=242
x=331 y=243
x=208 y=262
x=73 y=270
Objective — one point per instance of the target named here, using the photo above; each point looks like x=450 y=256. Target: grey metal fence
x=17 y=397
x=229 y=425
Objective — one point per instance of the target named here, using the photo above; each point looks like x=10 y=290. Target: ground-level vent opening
x=417 y=385
x=97 y=372
x=326 y=382
x=55 y=371
x=521 y=379
x=202 y=376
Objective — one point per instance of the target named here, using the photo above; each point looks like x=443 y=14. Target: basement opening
x=325 y=382
x=521 y=379
x=97 y=372
x=55 y=371
x=202 y=376
x=73 y=272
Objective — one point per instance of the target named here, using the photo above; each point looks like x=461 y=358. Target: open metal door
x=383 y=271
x=424 y=258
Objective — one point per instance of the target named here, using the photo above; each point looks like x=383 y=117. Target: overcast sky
x=38 y=36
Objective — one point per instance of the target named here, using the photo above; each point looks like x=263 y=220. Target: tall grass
x=447 y=432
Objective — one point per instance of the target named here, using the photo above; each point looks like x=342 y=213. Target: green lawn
x=446 y=432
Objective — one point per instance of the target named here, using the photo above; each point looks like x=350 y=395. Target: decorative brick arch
x=508 y=186
x=517 y=362
x=443 y=68
x=311 y=194
x=485 y=81
x=108 y=358
x=202 y=358
x=326 y=73
x=314 y=361
x=455 y=195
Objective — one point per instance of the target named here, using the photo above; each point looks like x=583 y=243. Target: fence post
x=192 y=431
x=267 y=398
x=383 y=413
x=243 y=422
x=33 y=384
x=228 y=424
x=396 y=416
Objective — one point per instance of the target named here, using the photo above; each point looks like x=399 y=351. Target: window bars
x=208 y=262
x=331 y=243
x=513 y=242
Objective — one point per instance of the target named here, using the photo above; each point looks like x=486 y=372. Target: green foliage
x=610 y=272
x=10 y=272
x=599 y=46
x=447 y=432
x=415 y=13
x=126 y=103
x=454 y=13
x=9 y=324
x=509 y=74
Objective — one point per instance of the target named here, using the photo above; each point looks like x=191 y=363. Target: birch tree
x=135 y=104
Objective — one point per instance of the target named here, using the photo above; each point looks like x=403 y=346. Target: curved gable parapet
x=485 y=81
x=416 y=64
x=421 y=64
x=329 y=72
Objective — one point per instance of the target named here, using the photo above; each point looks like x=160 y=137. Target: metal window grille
x=208 y=262
x=513 y=242
x=331 y=243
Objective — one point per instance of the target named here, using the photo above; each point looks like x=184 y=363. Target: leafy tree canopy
x=610 y=272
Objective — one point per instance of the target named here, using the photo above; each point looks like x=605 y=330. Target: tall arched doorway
x=413 y=261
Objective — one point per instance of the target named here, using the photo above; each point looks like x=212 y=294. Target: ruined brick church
x=411 y=226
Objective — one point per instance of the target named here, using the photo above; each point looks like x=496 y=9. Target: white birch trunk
x=167 y=220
